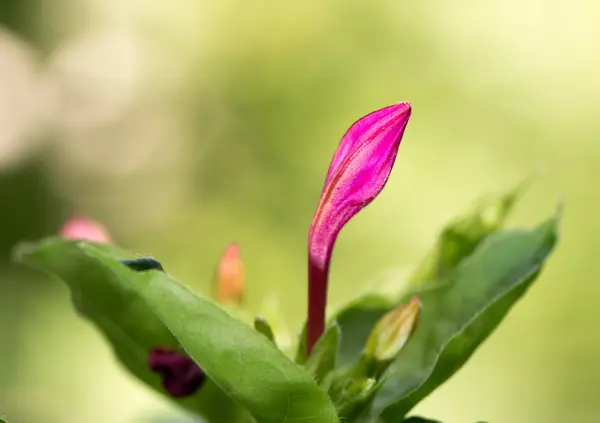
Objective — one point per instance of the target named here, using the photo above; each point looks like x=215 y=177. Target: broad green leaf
x=241 y=362
x=419 y=420
x=460 y=312
x=324 y=354
x=460 y=238
x=457 y=241
x=105 y=297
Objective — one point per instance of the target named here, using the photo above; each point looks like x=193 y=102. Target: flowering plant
x=371 y=361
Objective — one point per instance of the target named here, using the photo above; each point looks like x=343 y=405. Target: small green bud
x=358 y=387
x=262 y=326
x=392 y=332
x=355 y=397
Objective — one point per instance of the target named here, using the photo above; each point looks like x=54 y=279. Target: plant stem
x=317 y=301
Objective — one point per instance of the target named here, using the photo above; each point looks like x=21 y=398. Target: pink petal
x=357 y=174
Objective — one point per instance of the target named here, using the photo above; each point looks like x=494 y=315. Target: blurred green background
x=184 y=125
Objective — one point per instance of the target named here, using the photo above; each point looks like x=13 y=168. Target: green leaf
x=419 y=420
x=301 y=356
x=457 y=241
x=105 y=296
x=241 y=362
x=460 y=312
x=462 y=236
x=324 y=354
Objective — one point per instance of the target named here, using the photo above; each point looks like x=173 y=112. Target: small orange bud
x=230 y=276
x=86 y=230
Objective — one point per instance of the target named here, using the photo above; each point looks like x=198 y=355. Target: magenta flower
x=358 y=172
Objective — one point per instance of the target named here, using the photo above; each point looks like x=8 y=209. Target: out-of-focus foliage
x=186 y=125
x=245 y=365
x=102 y=295
x=138 y=308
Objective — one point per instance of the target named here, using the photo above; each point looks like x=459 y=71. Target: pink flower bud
x=85 y=229
x=181 y=376
x=358 y=172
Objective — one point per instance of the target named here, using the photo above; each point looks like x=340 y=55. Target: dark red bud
x=181 y=376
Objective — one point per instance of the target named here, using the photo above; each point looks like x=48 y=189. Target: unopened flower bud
x=357 y=174
x=230 y=277
x=262 y=326
x=86 y=230
x=355 y=397
x=392 y=332
x=358 y=387
x=181 y=376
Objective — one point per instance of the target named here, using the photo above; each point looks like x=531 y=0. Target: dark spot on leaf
x=142 y=264
x=181 y=376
